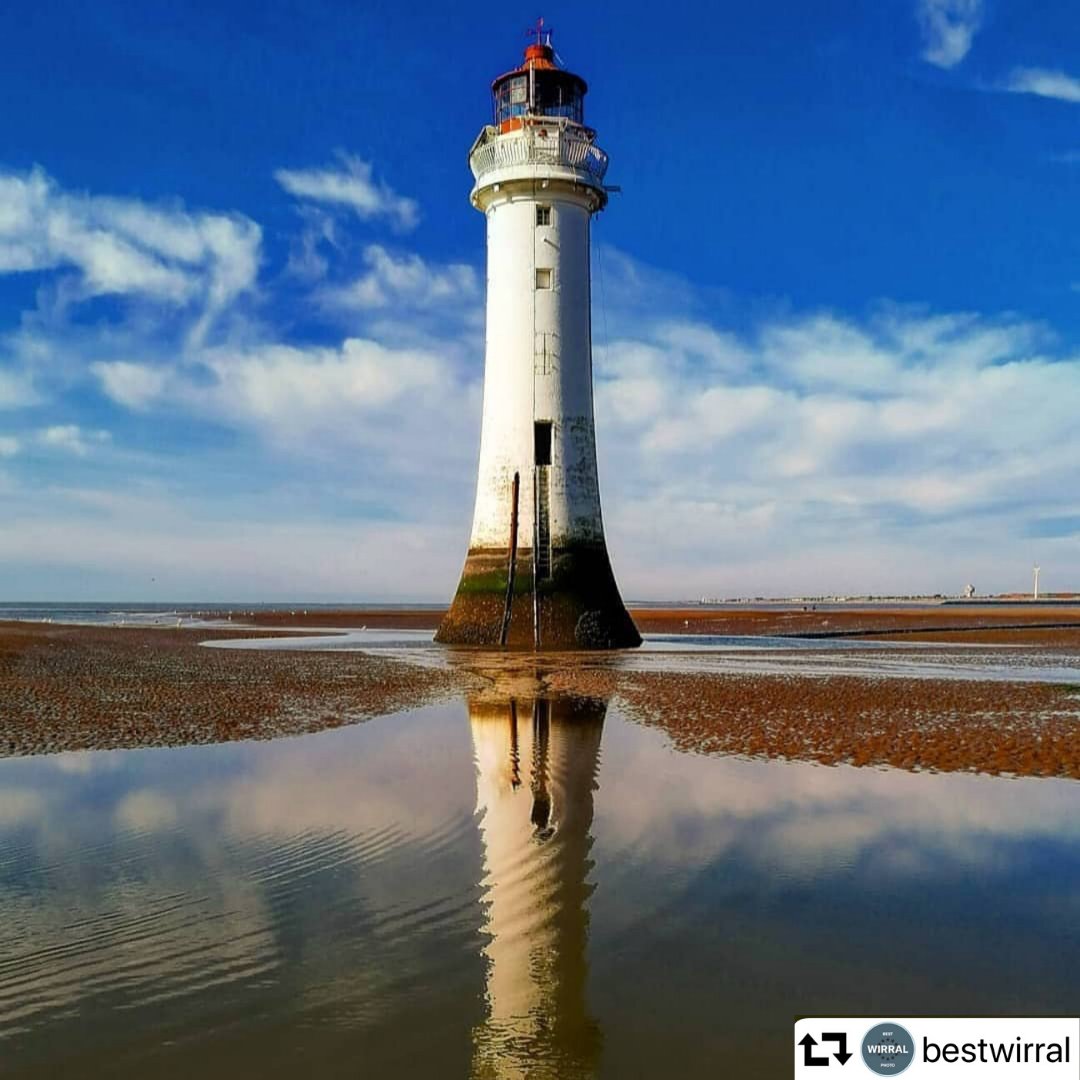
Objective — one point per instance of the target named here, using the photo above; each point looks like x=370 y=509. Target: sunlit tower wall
x=537 y=573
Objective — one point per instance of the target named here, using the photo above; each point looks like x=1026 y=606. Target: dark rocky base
x=579 y=606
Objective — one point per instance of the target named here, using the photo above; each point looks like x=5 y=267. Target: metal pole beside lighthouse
x=537 y=573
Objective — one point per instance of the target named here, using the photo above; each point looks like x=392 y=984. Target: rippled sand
x=69 y=688
x=93 y=688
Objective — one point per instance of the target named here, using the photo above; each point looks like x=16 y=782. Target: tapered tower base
x=576 y=607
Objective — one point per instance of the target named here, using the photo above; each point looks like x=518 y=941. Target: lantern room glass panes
x=554 y=93
x=558 y=94
x=511 y=98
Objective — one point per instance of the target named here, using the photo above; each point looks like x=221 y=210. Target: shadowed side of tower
x=537 y=574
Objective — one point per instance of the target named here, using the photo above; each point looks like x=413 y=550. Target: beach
x=70 y=687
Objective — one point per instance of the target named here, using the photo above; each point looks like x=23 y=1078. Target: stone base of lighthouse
x=577 y=605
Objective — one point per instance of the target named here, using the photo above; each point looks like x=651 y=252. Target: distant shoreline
x=1050 y=622
x=990 y=624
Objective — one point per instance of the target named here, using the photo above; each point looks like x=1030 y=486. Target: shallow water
x=742 y=655
x=509 y=887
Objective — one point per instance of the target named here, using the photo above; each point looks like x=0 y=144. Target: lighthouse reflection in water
x=536 y=763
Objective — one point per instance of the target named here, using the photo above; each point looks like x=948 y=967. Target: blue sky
x=241 y=296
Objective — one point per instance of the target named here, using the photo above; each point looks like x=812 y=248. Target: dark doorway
x=542 y=441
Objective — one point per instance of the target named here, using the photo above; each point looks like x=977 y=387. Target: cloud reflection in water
x=428 y=894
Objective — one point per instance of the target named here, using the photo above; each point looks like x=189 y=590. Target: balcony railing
x=538 y=145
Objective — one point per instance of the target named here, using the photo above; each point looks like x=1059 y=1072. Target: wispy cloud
x=124 y=247
x=132 y=385
x=9 y=446
x=405 y=280
x=303 y=389
x=948 y=29
x=1043 y=82
x=16 y=389
x=71 y=438
x=351 y=185
x=284 y=385
x=308 y=259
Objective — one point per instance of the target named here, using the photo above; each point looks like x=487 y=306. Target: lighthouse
x=537 y=574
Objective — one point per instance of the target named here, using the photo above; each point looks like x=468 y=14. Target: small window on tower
x=543 y=277
x=542 y=441
x=543 y=215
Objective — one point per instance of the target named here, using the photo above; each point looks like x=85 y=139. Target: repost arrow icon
x=808 y=1042
x=840 y=1037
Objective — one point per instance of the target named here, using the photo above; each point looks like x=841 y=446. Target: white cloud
x=71 y=438
x=1043 y=82
x=9 y=446
x=405 y=281
x=293 y=387
x=16 y=390
x=351 y=185
x=232 y=546
x=321 y=401
x=307 y=252
x=720 y=351
x=836 y=454
x=124 y=247
x=948 y=28
x=135 y=386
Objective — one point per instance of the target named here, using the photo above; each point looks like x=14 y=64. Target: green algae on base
x=579 y=606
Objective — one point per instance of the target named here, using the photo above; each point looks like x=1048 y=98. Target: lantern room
x=538 y=88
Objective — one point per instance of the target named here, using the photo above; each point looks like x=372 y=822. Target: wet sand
x=1022 y=729
x=1009 y=624
x=374 y=618
x=73 y=688
x=93 y=688
x=1017 y=624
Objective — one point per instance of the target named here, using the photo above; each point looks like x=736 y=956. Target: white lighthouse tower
x=537 y=573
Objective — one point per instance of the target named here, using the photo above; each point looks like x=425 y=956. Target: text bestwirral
x=986 y=1052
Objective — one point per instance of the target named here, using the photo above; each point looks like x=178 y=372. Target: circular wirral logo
x=887 y=1049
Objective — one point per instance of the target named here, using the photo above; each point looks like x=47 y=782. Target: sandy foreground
x=91 y=688
x=66 y=688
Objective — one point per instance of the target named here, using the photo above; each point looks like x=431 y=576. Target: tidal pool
x=506 y=887
x=720 y=655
